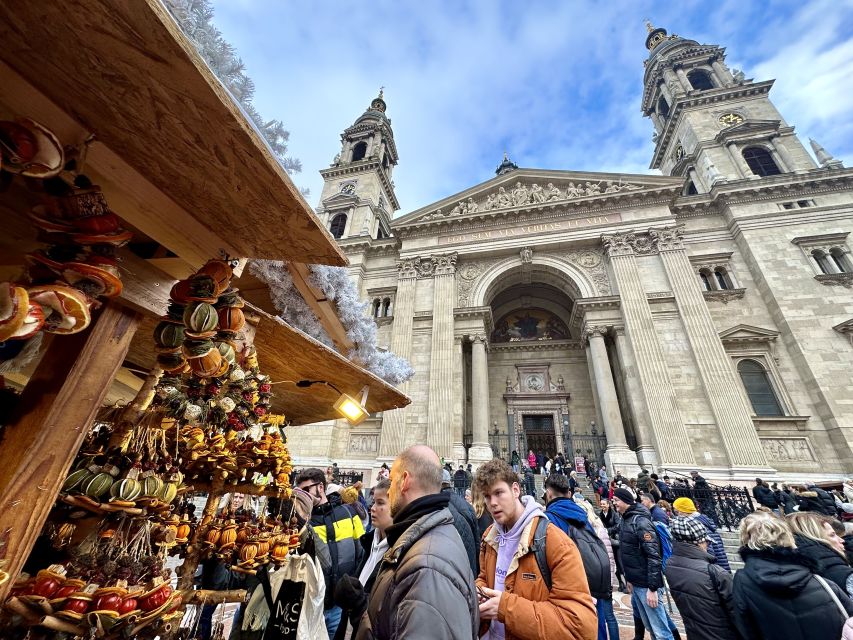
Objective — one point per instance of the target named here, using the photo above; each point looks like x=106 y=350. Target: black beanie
x=625 y=495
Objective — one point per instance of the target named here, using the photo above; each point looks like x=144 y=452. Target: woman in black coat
x=784 y=498
x=701 y=590
x=776 y=594
x=816 y=539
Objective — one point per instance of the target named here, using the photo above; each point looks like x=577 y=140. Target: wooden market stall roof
x=201 y=178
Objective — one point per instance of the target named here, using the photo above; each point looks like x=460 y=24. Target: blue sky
x=555 y=83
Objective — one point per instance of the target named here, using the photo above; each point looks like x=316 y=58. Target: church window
x=822 y=261
x=663 y=107
x=338 y=225
x=840 y=259
x=706 y=281
x=760 y=161
x=722 y=278
x=700 y=80
x=690 y=189
x=386 y=308
x=359 y=151
x=759 y=390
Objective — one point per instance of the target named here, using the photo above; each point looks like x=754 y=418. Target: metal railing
x=725 y=505
x=347 y=478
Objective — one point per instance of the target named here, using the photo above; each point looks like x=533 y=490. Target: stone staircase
x=731 y=542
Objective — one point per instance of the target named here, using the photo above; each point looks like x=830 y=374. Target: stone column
x=682 y=77
x=723 y=74
x=694 y=176
x=740 y=163
x=618 y=455
x=480 y=450
x=440 y=405
x=721 y=385
x=670 y=435
x=458 y=399
x=393 y=437
x=670 y=79
x=646 y=453
x=782 y=150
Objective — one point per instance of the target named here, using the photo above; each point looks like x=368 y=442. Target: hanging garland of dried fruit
x=78 y=266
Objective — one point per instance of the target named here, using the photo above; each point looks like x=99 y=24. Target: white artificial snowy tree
x=336 y=285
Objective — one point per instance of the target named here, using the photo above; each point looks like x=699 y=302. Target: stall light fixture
x=350 y=409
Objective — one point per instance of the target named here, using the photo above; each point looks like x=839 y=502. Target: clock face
x=730 y=119
x=348 y=189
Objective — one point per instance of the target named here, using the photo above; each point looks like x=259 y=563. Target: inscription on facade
x=530 y=229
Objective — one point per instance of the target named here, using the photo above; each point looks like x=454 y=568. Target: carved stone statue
x=458 y=210
x=520 y=195
x=739 y=76
x=526 y=255
x=491 y=202
x=592 y=189
x=337 y=159
x=612 y=187
x=552 y=192
x=471 y=206
x=573 y=191
x=504 y=199
x=537 y=194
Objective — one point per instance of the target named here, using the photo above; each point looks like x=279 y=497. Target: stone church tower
x=701 y=318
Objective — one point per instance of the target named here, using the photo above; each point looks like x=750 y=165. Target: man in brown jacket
x=523 y=596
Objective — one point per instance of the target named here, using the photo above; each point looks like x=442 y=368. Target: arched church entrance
x=540 y=395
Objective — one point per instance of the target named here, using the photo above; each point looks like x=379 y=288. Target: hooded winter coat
x=527 y=608
x=777 y=597
x=702 y=592
x=424 y=589
x=572 y=520
x=830 y=564
x=817 y=500
x=639 y=548
x=764 y=496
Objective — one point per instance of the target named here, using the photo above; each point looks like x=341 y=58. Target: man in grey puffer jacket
x=425 y=588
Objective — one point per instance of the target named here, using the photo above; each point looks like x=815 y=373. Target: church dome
x=658 y=41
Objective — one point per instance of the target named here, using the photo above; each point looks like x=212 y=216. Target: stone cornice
x=836 y=279
x=537 y=345
x=696 y=99
x=724 y=295
x=362 y=166
x=711 y=258
x=369 y=245
x=749 y=334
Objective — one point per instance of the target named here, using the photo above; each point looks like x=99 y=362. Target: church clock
x=729 y=119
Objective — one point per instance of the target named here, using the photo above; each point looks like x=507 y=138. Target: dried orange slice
x=14 y=306
x=66 y=308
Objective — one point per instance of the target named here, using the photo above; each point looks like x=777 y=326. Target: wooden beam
x=55 y=413
x=322 y=307
x=145 y=288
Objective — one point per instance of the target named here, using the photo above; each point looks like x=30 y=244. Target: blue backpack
x=665 y=540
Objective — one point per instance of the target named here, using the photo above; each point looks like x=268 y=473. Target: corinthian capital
x=668 y=239
x=591 y=331
x=408 y=268
x=625 y=244
x=445 y=264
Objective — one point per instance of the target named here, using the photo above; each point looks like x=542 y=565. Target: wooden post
x=132 y=413
x=56 y=411
x=186 y=571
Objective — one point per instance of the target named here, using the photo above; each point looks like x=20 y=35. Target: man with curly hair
x=532 y=581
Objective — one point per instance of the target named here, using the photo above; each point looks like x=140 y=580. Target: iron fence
x=726 y=506
x=347 y=478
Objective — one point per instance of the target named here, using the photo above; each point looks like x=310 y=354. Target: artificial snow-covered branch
x=336 y=285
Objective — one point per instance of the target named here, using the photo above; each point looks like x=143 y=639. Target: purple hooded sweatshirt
x=507 y=547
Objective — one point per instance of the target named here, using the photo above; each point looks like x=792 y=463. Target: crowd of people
x=435 y=553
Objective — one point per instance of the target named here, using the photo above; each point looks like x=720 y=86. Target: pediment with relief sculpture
x=529 y=189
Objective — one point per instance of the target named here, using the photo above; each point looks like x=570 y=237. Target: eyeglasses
x=310 y=486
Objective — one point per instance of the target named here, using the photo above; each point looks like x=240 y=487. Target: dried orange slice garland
x=79 y=265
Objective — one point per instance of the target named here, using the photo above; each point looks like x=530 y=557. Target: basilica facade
x=700 y=318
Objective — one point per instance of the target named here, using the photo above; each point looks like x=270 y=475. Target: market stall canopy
x=176 y=156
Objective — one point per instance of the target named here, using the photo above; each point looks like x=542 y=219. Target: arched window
x=822 y=261
x=706 y=281
x=840 y=259
x=386 y=307
x=700 y=80
x=760 y=161
x=722 y=278
x=690 y=189
x=338 y=225
x=377 y=306
x=756 y=382
x=359 y=151
x=663 y=107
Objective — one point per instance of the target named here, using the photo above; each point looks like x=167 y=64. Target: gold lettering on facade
x=529 y=229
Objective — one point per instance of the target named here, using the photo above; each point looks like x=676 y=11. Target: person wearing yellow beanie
x=684 y=506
